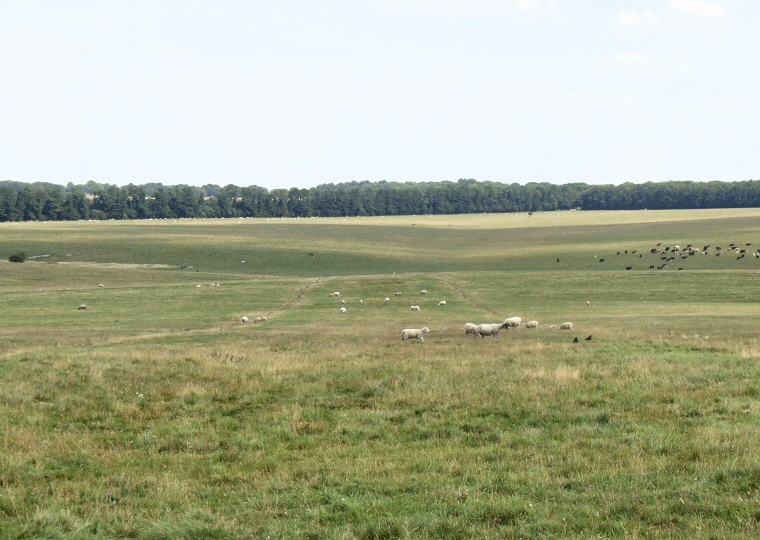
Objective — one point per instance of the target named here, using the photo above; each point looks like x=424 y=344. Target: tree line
x=40 y=201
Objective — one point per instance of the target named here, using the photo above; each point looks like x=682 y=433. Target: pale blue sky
x=299 y=93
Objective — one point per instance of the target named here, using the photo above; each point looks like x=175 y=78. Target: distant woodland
x=20 y=201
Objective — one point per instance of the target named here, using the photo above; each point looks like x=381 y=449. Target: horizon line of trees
x=41 y=201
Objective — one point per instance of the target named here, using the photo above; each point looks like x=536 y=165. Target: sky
x=288 y=93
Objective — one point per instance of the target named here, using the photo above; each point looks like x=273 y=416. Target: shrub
x=19 y=257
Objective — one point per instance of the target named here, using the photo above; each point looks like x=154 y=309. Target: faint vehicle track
x=298 y=299
x=455 y=288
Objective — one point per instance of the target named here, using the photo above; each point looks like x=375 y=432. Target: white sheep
x=386 y=300
x=470 y=328
x=397 y=294
x=414 y=308
x=566 y=326
x=257 y=319
x=361 y=301
x=490 y=329
x=513 y=322
x=342 y=301
x=342 y=310
x=245 y=320
x=263 y=318
x=442 y=303
x=334 y=294
x=83 y=306
x=414 y=333
x=531 y=324
x=423 y=291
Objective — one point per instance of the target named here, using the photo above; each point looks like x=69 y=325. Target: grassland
x=155 y=413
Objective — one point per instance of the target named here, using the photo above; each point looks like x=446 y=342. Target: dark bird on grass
x=588 y=338
x=575 y=340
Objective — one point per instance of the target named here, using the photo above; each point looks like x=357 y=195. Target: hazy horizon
x=298 y=94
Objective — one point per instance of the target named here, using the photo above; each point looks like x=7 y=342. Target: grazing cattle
x=629 y=267
x=601 y=260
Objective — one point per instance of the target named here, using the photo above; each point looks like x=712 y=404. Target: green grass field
x=155 y=413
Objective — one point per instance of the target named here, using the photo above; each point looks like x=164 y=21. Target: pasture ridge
x=156 y=413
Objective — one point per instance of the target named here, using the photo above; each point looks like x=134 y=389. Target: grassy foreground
x=155 y=413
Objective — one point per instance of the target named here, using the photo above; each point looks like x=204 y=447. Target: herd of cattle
x=671 y=254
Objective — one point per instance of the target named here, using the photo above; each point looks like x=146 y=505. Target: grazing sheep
x=513 y=322
x=334 y=294
x=263 y=318
x=471 y=328
x=588 y=303
x=490 y=329
x=361 y=301
x=397 y=294
x=414 y=308
x=414 y=333
x=342 y=301
x=442 y=303
x=257 y=319
x=342 y=310
x=531 y=324
x=245 y=320
x=423 y=291
x=83 y=306
x=566 y=326
x=386 y=300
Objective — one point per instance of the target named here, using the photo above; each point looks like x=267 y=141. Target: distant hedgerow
x=18 y=257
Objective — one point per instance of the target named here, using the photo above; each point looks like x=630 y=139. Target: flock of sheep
x=482 y=330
